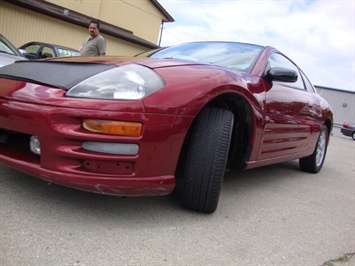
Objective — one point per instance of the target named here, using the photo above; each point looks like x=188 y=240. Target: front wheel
x=206 y=160
x=314 y=162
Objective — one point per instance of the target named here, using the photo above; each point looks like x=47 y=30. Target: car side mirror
x=22 y=52
x=26 y=55
x=282 y=74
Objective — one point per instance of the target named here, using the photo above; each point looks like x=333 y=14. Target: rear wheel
x=206 y=160
x=353 y=135
x=314 y=162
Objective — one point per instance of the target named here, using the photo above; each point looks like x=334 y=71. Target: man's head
x=94 y=28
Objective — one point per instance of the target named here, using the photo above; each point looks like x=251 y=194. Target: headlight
x=129 y=82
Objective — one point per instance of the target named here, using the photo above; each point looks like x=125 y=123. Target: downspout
x=161 y=32
x=101 y=7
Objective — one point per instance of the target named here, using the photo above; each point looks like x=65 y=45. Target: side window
x=47 y=52
x=32 y=49
x=278 y=60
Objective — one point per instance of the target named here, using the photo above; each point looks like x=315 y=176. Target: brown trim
x=82 y=20
x=163 y=11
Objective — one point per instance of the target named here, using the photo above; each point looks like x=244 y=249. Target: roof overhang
x=168 y=18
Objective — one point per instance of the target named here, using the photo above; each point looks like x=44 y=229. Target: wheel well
x=329 y=125
x=242 y=131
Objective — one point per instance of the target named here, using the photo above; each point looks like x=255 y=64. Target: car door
x=32 y=50
x=291 y=112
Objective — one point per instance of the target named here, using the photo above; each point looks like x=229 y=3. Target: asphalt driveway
x=275 y=215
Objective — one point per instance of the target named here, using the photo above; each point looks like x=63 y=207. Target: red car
x=176 y=117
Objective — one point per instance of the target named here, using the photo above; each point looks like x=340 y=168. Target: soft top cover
x=53 y=73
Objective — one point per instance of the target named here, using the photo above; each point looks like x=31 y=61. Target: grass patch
x=343 y=259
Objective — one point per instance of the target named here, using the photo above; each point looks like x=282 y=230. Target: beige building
x=129 y=26
x=342 y=104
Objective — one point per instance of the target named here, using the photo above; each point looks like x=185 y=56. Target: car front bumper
x=64 y=161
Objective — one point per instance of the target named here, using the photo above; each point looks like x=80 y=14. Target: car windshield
x=61 y=51
x=7 y=47
x=236 y=56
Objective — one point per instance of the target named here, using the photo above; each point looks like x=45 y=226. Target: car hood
x=122 y=60
x=76 y=69
x=6 y=59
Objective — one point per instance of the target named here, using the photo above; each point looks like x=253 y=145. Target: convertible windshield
x=236 y=56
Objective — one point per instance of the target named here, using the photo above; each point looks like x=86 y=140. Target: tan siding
x=139 y=16
x=121 y=47
x=20 y=25
x=28 y=26
x=91 y=8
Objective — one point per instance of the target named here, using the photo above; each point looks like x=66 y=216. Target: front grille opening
x=16 y=140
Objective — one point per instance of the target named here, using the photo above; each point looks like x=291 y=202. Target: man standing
x=95 y=44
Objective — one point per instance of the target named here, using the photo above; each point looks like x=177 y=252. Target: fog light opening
x=35 y=145
x=112 y=148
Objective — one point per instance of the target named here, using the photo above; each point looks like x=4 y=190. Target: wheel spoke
x=320 y=148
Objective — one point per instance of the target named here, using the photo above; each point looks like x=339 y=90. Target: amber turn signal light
x=113 y=127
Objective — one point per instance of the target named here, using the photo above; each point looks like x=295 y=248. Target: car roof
x=49 y=44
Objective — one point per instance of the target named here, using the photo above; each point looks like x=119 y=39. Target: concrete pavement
x=275 y=215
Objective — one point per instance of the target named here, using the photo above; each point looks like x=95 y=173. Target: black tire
x=353 y=135
x=314 y=162
x=206 y=160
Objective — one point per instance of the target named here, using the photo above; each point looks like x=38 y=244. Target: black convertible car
x=39 y=50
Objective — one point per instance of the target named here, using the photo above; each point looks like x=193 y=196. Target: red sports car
x=175 y=117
